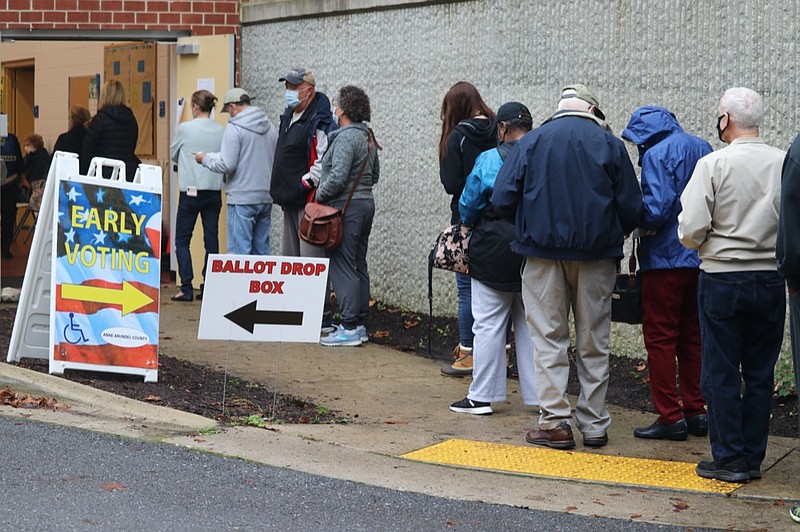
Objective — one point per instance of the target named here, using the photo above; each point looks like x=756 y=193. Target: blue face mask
x=292 y=98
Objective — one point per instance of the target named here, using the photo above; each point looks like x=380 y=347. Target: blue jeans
x=207 y=204
x=741 y=325
x=465 y=320
x=248 y=229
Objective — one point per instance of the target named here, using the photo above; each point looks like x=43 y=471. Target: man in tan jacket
x=730 y=215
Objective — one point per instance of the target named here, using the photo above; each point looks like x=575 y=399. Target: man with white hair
x=730 y=215
x=571 y=189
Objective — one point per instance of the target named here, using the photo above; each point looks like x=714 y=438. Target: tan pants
x=549 y=289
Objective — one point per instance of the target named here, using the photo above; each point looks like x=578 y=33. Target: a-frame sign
x=90 y=295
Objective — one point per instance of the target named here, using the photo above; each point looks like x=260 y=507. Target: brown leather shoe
x=559 y=437
x=460 y=368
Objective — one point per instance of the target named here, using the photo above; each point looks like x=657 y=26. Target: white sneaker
x=362 y=332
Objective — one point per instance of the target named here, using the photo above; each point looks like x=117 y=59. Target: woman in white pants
x=495 y=276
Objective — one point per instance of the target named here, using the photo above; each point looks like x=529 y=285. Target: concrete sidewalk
x=398 y=403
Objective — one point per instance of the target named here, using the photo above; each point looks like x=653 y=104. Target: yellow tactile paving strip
x=570 y=464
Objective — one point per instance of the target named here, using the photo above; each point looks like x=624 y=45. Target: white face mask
x=28 y=150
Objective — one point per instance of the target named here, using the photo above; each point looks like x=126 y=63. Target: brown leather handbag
x=323 y=225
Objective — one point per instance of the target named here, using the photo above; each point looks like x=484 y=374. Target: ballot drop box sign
x=263 y=298
x=106 y=268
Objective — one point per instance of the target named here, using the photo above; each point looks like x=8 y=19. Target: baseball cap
x=236 y=95
x=511 y=110
x=298 y=75
x=580 y=91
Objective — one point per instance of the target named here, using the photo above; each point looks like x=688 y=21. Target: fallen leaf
x=778 y=503
x=571 y=508
x=396 y=422
x=452 y=523
x=113 y=486
x=680 y=505
x=408 y=324
x=636 y=516
x=305 y=419
x=152 y=398
x=641 y=366
x=382 y=334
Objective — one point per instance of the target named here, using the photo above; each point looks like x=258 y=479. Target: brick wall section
x=200 y=17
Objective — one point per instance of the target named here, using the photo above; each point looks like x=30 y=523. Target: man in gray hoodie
x=245 y=158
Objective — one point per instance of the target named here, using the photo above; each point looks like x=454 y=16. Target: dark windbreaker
x=570 y=186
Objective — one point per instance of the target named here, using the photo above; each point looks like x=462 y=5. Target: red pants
x=671 y=331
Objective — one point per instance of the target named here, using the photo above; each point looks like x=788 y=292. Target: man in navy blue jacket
x=571 y=189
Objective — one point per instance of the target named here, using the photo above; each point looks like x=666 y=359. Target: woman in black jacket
x=468 y=129
x=113 y=132
x=37 y=165
x=72 y=140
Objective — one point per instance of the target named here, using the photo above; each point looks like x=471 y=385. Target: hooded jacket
x=571 y=189
x=668 y=156
x=112 y=133
x=293 y=154
x=468 y=139
x=246 y=155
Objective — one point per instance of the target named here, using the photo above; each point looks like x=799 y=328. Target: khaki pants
x=549 y=290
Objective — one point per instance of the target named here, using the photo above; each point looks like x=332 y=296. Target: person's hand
x=198 y=157
x=23 y=182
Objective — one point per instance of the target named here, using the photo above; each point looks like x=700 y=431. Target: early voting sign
x=263 y=298
x=106 y=265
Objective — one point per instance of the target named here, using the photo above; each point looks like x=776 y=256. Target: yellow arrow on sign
x=129 y=297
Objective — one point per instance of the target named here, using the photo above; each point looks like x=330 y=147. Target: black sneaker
x=733 y=471
x=468 y=406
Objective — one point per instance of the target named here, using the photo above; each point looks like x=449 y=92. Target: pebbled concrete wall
x=681 y=54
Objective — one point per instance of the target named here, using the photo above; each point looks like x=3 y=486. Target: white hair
x=745 y=106
x=573 y=104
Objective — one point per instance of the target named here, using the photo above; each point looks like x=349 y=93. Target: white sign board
x=263 y=298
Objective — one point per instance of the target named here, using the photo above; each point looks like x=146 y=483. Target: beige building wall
x=56 y=62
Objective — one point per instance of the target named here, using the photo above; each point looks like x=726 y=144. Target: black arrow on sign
x=247 y=317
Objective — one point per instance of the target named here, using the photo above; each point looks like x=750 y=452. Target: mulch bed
x=200 y=389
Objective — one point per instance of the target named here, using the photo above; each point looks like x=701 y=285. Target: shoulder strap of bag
x=632 y=260
x=360 y=172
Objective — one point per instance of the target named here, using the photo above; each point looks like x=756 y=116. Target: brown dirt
x=200 y=389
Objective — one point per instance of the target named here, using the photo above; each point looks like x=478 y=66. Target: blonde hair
x=112 y=93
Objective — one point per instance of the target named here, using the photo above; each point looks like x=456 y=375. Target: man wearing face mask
x=302 y=140
x=730 y=215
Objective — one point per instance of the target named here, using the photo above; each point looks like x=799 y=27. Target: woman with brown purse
x=350 y=163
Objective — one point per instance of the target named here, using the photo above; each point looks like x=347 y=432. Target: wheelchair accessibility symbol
x=73 y=333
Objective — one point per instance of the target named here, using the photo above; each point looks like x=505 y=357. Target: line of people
x=314 y=155
x=550 y=208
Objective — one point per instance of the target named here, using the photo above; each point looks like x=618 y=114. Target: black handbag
x=626 y=301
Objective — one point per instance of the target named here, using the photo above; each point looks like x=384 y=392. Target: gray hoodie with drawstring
x=245 y=157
